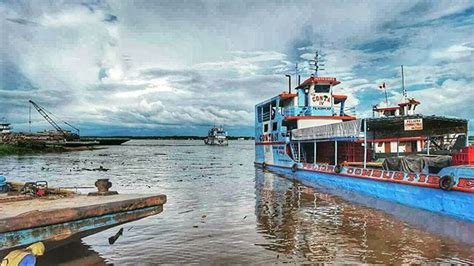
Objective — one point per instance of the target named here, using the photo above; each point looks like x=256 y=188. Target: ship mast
x=315 y=63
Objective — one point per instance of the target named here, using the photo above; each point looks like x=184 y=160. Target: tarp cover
x=417 y=163
x=337 y=130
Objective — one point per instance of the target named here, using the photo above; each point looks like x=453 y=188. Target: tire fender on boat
x=337 y=169
x=446 y=182
x=264 y=165
x=294 y=168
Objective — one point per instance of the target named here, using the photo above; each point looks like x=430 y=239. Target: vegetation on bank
x=26 y=148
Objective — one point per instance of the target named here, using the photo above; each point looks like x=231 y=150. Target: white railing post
x=299 y=151
x=398 y=147
x=335 y=152
x=365 y=143
x=315 y=150
x=428 y=143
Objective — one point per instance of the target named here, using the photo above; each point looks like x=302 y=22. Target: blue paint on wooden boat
x=65 y=230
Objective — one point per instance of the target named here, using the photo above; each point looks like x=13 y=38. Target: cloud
x=22 y=21
x=167 y=66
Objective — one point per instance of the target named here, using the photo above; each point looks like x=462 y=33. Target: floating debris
x=114 y=238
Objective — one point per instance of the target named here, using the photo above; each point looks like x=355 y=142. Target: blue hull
x=452 y=203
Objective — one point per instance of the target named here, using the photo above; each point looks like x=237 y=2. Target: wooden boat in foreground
x=56 y=217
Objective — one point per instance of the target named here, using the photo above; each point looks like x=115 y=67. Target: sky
x=177 y=67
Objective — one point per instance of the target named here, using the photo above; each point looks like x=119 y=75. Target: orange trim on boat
x=286 y=95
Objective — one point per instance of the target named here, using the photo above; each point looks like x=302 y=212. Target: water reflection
x=305 y=222
x=73 y=253
x=222 y=210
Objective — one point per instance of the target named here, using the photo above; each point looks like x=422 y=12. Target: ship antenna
x=316 y=64
x=296 y=72
x=403 y=85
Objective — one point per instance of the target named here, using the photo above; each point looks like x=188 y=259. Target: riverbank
x=27 y=148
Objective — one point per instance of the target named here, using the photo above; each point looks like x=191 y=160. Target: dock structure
x=49 y=220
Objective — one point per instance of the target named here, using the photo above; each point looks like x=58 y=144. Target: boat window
x=259 y=114
x=322 y=88
x=275 y=126
x=265 y=128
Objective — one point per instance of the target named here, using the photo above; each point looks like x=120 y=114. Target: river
x=222 y=209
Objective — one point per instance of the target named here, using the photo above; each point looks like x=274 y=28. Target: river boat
x=396 y=155
x=216 y=136
x=5 y=128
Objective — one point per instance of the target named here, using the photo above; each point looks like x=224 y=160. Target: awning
x=342 y=130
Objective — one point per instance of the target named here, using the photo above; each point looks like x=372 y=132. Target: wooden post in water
x=365 y=143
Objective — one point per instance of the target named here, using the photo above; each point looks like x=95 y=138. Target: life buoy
x=294 y=168
x=446 y=182
x=337 y=169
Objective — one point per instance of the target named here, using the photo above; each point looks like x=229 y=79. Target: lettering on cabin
x=366 y=172
x=398 y=175
x=421 y=178
x=466 y=183
x=377 y=173
x=387 y=175
x=270 y=137
x=321 y=99
x=411 y=177
x=433 y=179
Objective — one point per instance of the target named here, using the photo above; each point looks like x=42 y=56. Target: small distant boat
x=5 y=128
x=216 y=136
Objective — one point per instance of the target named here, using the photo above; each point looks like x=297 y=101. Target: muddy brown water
x=221 y=209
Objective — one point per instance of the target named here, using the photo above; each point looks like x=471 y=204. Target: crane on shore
x=44 y=113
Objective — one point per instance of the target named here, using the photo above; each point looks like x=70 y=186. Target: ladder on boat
x=298 y=156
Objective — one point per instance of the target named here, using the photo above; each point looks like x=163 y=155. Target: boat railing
x=305 y=110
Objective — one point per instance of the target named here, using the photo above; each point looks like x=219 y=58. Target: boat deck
x=54 y=218
x=48 y=204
